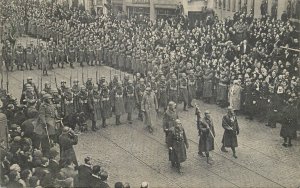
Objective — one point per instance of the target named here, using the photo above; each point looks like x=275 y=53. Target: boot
x=104 y=123
x=234 y=155
x=72 y=66
x=184 y=107
x=129 y=118
x=290 y=142
x=224 y=149
x=179 y=168
x=94 y=127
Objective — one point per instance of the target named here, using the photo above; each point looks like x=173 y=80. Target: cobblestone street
x=130 y=154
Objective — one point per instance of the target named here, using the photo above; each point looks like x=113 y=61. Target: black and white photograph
x=149 y=93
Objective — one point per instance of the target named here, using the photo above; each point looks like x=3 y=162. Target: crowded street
x=130 y=154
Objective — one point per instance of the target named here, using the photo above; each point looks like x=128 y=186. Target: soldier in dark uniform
x=231 y=130
x=139 y=92
x=66 y=141
x=191 y=88
x=81 y=53
x=19 y=57
x=51 y=53
x=47 y=87
x=105 y=104
x=60 y=54
x=45 y=127
x=169 y=121
x=207 y=135
x=249 y=98
x=173 y=88
x=83 y=105
x=75 y=90
x=129 y=100
x=119 y=103
x=8 y=56
x=162 y=94
x=183 y=85
x=289 y=123
x=177 y=151
x=94 y=107
x=71 y=57
x=30 y=56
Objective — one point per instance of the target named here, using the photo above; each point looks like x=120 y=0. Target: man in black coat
x=231 y=130
x=84 y=172
x=94 y=180
x=289 y=123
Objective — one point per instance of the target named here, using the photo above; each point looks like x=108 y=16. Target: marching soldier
x=183 y=84
x=19 y=57
x=105 y=104
x=177 y=151
x=119 y=103
x=99 y=53
x=207 y=134
x=28 y=94
x=169 y=121
x=173 y=88
x=139 y=92
x=162 y=94
x=231 y=130
x=67 y=102
x=129 y=100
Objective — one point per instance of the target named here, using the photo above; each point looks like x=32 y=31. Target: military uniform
x=177 y=151
x=105 y=105
x=119 y=103
x=191 y=88
x=139 y=92
x=183 y=85
x=60 y=54
x=129 y=100
x=169 y=119
x=173 y=89
x=19 y=57
x=71 y=54
x=30 y=57
x=162 y=94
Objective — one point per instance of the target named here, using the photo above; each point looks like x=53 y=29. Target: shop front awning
x=166 y=6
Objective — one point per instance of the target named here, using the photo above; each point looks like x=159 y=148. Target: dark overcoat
x=231 y=130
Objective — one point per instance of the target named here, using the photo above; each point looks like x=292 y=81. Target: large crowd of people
x=246 y=63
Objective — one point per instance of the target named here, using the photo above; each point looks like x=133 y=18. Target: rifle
x=82 y=79
x=120 y=75
x=23 y=82
x=110 y=76
x=71 y=79
x=7 y=81
x=54 y=80
x=97 y=77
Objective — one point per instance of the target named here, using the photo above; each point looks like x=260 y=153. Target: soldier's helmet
x=63 y=82
x=174 y=76
x=104 y=84
x=75 y=81
x=172 y=103
x=130 y=82
x=47 y=96
x=163 y=77
x=183 y=75
x=142 y=80
x=178 y=122
x=82 y=87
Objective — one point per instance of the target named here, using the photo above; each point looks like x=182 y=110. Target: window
x=216 y=3
x=220 y=4
x=239 y=4
x=224 y=4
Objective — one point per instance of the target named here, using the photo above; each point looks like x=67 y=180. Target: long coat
x=289 y=122
x=206 y=129
x=119 y=104
x=235 y=97
x=231 y=130
x=208 y=85
x=169 y=119
x=129 y=99
x=66 y=143
x=47 y=114
x=149 y=106
x=179 y=143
